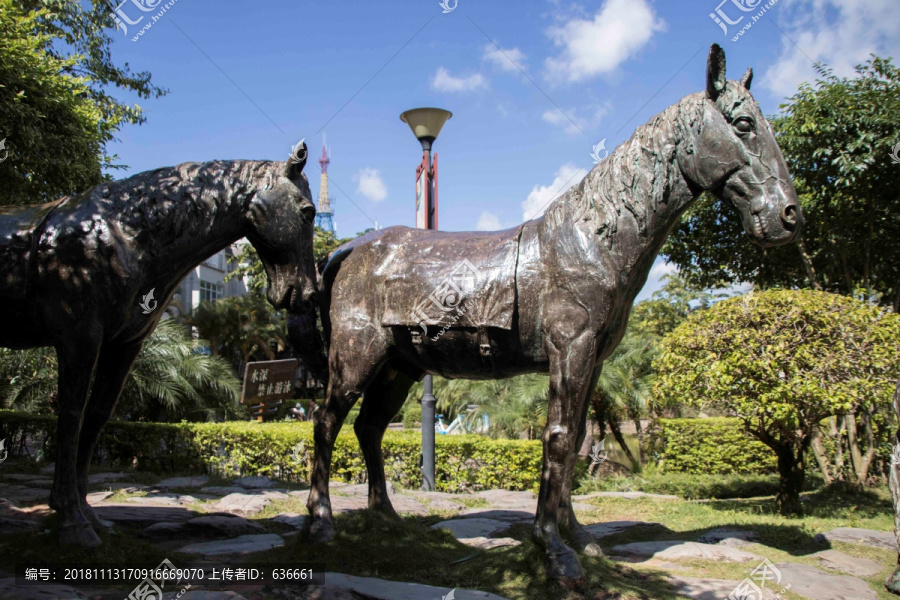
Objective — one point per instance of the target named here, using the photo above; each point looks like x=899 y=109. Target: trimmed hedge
x=710 y=446
x=284 y=450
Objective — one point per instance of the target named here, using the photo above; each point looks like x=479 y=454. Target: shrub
x=709 y=446
x=783 y=360
x=284 y=450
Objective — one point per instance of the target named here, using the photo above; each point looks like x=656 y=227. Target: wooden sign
x=268 y=381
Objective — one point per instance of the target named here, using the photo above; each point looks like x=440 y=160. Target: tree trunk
x=821 y=458
x=792 y=477
x=807 y=264
x=614 y=427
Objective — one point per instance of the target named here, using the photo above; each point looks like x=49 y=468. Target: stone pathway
x=170 y=514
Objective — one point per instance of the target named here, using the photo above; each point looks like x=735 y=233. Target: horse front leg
x=113 y=365
x=338 y=402
x=571 y=349
x=583 y=540
x=77 y=361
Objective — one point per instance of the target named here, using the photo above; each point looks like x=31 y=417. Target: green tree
x=837 y=137
x=782 y=361
x=249 y=267
x=241 y=328
x=56 y=112
x=170 y=379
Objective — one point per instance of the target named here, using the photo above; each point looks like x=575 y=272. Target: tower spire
x=324 y=214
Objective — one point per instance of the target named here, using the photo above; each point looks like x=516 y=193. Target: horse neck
x=203 y=208
x=634 y=198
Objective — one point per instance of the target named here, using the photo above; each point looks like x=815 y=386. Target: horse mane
x=635 y=179
x=175 y=197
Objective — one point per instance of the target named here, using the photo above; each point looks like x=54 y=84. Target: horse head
x=282 y=221
x=732 y=152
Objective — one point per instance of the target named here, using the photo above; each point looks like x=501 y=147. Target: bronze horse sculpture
x=552 y=295
x=92 y=273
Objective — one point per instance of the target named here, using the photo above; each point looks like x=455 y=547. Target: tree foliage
x=241 y=328
x=56 y=111
x=837 y=136
x=170 y=379
x=783 y=361
x=250 y=268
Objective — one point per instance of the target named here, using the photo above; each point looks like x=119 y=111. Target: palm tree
x=624 y=389
x=169 y=380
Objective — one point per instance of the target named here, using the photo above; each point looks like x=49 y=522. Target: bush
x=783 y=360
x=709 y=446
x=285 y=451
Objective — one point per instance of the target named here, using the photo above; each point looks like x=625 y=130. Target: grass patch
x=690 y=486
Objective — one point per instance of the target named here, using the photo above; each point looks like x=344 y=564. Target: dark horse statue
x=91 y=275
x=552 y=295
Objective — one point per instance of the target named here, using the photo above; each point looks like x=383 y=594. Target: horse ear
x=297 y=160
x=715 y=72
x=746 y=78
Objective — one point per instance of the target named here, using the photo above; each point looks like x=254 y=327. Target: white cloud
x=841 y=33
x=488 y=221
x=370 y=184
x=597 y=46
x=541 y=195
x=572 y=121
x=505 y=59
x=443 y=81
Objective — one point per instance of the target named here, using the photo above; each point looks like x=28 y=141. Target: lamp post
x=426 y=124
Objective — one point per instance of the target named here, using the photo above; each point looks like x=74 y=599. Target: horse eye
x=743 y=125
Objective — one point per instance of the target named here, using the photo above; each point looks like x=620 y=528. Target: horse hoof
x=892 y=584
x=96 y=522
x=566 y=569
x=82 y=536
x=321 y=531
x=584 y=543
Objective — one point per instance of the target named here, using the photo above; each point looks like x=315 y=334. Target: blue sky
x=533 y=87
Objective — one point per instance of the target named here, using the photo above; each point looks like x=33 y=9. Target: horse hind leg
x=349 y=373
x=77 y=362
x=113 y=365
x=381 y=403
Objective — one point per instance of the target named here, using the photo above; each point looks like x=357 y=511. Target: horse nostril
x=789 y=217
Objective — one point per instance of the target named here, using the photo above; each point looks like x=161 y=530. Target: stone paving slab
x=602 y=530
x=244 y=544
x=21 y=493
x=626 y=495
x=728 y=536
x=489 y=543
x=816 y=584
x=255 y=482
x=381 y=589
x=95 y=497
x=674 y=550
x=193 y=481
x=853 y=565
x=242 y=504
x=223 y=490
x=471 y=528
x=205 y=526
x=27 y=478
x=295 y=520
x=142 y=515
x=866 y=537
x=510 y=516
x=444 y=505
x=699 y=588
x=106 y=477
x=10 y=591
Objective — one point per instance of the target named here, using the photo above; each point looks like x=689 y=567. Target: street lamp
x=426 y=124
